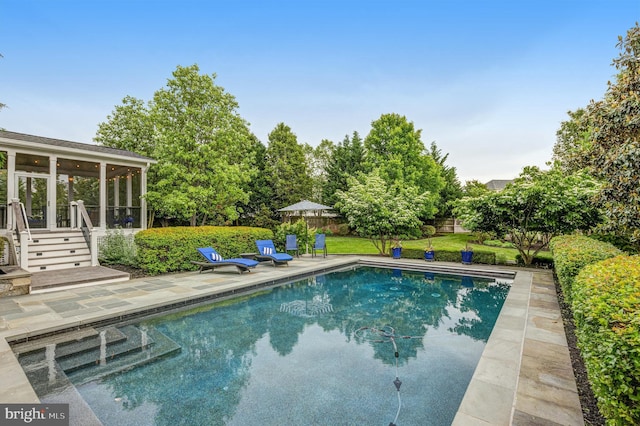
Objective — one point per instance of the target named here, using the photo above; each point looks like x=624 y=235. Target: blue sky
x=488 y=81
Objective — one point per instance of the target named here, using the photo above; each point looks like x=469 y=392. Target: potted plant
x=429 y=254
x=396 y=248
x=467 y=255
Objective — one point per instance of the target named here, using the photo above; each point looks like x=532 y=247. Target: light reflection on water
x=290 y=355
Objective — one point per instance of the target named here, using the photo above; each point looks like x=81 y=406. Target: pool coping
x=524 y=374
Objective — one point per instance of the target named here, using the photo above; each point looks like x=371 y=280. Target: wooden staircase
x=55 y=250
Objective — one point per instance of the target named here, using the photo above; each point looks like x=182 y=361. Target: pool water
x=319 y=351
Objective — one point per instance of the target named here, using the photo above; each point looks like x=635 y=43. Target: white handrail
x=26 y=220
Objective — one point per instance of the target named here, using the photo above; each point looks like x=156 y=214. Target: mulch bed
x=590 y=412
x=133 y=272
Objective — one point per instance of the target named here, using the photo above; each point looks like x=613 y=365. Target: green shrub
x=342 y=230
x=480 y=237
x=304 y=235
x=571 y=253
x=484 y=257
x=624 y=243
x=498 y=243
x=162 y=250
x=428 y=231
x=116 y=248
x=606 y=309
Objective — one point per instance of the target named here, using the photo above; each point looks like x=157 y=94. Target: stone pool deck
x=523 y=378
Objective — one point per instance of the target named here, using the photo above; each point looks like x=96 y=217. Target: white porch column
x=52 y=197
x=11 y=185
x=103 y=195
x=27 y=195
x=129 y=192
x=116 y=198
x=143 y=200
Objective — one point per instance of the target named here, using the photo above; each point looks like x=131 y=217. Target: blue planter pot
x=396 y=252
x=467 y=257
x=429 y=256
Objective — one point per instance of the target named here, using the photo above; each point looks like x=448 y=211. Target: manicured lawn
x=453 y=242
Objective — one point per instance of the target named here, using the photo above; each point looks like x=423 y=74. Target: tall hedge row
x=162 y=250
x=606 y=309
x=571 y=253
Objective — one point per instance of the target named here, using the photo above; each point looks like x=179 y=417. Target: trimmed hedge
x=571 y=253
x=479 y=256
x=172 y=249
x=606 y=309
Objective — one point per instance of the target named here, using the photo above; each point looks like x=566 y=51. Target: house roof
x=59 y=143
x=498 y=184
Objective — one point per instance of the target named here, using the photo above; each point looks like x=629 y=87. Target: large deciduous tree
x=286 y=168
x=605 y=138
x=128 y=127
x=393 y=146
x=537 y=206
x=200 y=141
x=378 y=210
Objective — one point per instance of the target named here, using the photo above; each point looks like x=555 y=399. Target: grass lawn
x=454 y=242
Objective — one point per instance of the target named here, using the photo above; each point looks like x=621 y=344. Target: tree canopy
x=451 y=189
x=318 y=159
x=347 y=159
x=286 y=168
x=202 y=145
x=604 y=138
x=537 y=206
x=393 y=146
x=378 y=210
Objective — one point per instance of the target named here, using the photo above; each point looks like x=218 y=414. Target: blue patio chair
x=267 y=251
x=292 y=244
x=214 y=260
x=320 y=244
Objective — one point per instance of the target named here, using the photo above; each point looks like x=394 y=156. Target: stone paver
x=523 y=378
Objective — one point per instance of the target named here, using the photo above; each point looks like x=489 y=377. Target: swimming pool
x=317 y=351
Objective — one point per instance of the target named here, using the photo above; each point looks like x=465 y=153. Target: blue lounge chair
x=292 y=244
x=214 y=260
x=267 y=251
x=319 y=245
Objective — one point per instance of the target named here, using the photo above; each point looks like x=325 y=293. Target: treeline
x=212 y=170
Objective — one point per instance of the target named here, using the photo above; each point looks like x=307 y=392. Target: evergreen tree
x=347 y=159
x=286 y=168
x=452 y=190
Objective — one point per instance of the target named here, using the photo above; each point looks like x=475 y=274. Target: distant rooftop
x=498 y=184
x=68 y=144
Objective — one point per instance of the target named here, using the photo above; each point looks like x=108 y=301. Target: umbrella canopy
x=305 y=206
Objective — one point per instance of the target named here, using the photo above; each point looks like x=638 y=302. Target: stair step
x=52 y=375
x=102 y=354
x=59 y=266
x=58 y=339
x=35 y=248
x=111 y=335
x=57 y=250
x=55 y=239
x=162 y=347
x=64 y=258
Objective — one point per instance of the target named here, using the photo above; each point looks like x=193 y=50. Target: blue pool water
x=320 y=351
